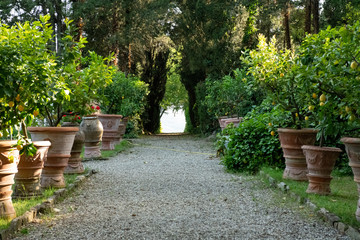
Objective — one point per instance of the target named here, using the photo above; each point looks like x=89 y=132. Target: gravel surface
x=171 y=187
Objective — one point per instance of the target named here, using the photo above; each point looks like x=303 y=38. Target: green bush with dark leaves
x=251 y=145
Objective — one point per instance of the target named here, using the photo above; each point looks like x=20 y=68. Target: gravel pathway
x=170 y=187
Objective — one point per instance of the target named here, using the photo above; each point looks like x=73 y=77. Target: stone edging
x=46 y=206
x=327 y=216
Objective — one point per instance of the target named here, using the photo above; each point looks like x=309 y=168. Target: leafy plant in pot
x=334 y=55
x=27 y=74
x=276 y=72
x=125 y=96
x=81 y=77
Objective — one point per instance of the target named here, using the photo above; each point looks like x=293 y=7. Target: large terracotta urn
x=9 y=158
x=110 y=124
x=27 y=179
x=62 y=139
x=291 y=141
x=93 y=130
x=75 y=165
x=352 y=146
x=320 y=163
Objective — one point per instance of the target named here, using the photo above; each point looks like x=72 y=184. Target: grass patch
x=122 y=146
x=23 y=205
x=342 y=201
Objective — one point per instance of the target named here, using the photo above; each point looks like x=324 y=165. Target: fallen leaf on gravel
x=133 y=215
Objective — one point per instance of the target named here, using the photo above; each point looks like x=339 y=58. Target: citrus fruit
x=353 y=65
x=272 y=133
x=36 y=113
x=322 y=104
x=19 y=147
x=281 y=75
x=11 y=104
x=270 y=124
x=18 y=98
x=306 y=118
x=1 y=134
x=21 y=108
x=311 y=108
x=347 y=109
x=314 y=95
x=322 y=98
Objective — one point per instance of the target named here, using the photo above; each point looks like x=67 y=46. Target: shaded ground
x=172 y=187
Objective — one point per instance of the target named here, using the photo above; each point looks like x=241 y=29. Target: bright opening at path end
x=173 y=122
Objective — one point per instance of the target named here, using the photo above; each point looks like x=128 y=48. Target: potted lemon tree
x=27 y=75
x=276 y=71
x=81 y=77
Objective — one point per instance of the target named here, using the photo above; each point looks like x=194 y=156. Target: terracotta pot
x=93 y=130
x=291 y=141
x=75 y=161
x=320 y=163
x=62 y=139
x=235 y=121
x=110 y=124
x=9 y=158
x=120 y=133
x=27 y=179
x=221 y=123
x=352 y=146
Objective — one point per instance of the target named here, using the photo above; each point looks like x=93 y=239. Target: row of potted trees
x=316 y=87
x=42 y=86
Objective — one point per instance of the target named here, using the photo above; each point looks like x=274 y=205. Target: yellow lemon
x=281 y=75
x=270 y=124
x=21 y=108
x=272 y=133
x=311 y=108
x=11 y=104
x=18 y=98
x=353 y=65
x=36 y=113
x=314 y=95
x=1 y=134
x=322 y=104
x=296 y=115
x=322 y=98
x=306 y=118
x=19 y=147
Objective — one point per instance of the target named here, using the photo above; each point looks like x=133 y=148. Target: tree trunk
x=287 y=38
x=308 y=16
x=154 y=75
x=316 y=17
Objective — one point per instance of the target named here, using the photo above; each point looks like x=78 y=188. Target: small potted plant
x=276 y=72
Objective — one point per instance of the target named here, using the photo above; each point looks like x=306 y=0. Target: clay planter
x=75 y=162
x=93 y=130
x=9 y=158
x=27 y=179
x=235 y=121
x=352 y=146
x=320 y=163
x=120 y=133
x=62 y=139
x=110 y=124
x=291 y=141
x=221 y=123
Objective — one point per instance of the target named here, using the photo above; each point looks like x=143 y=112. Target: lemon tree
x=27 y=72
x=330 y=65
x=276 y=71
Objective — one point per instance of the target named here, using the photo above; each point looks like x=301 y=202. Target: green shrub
x=250 y=146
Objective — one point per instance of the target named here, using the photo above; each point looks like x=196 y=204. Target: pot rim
x=42 y=143
x=293 y=130
x=320 y=149
x=351 y=140
x=7 y=143
x=109 y=115
x=53 y=129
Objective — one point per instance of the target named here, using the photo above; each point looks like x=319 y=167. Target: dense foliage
x=250 y=146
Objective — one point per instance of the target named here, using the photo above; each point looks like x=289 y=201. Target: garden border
x=44 y=207
x=324 y=214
